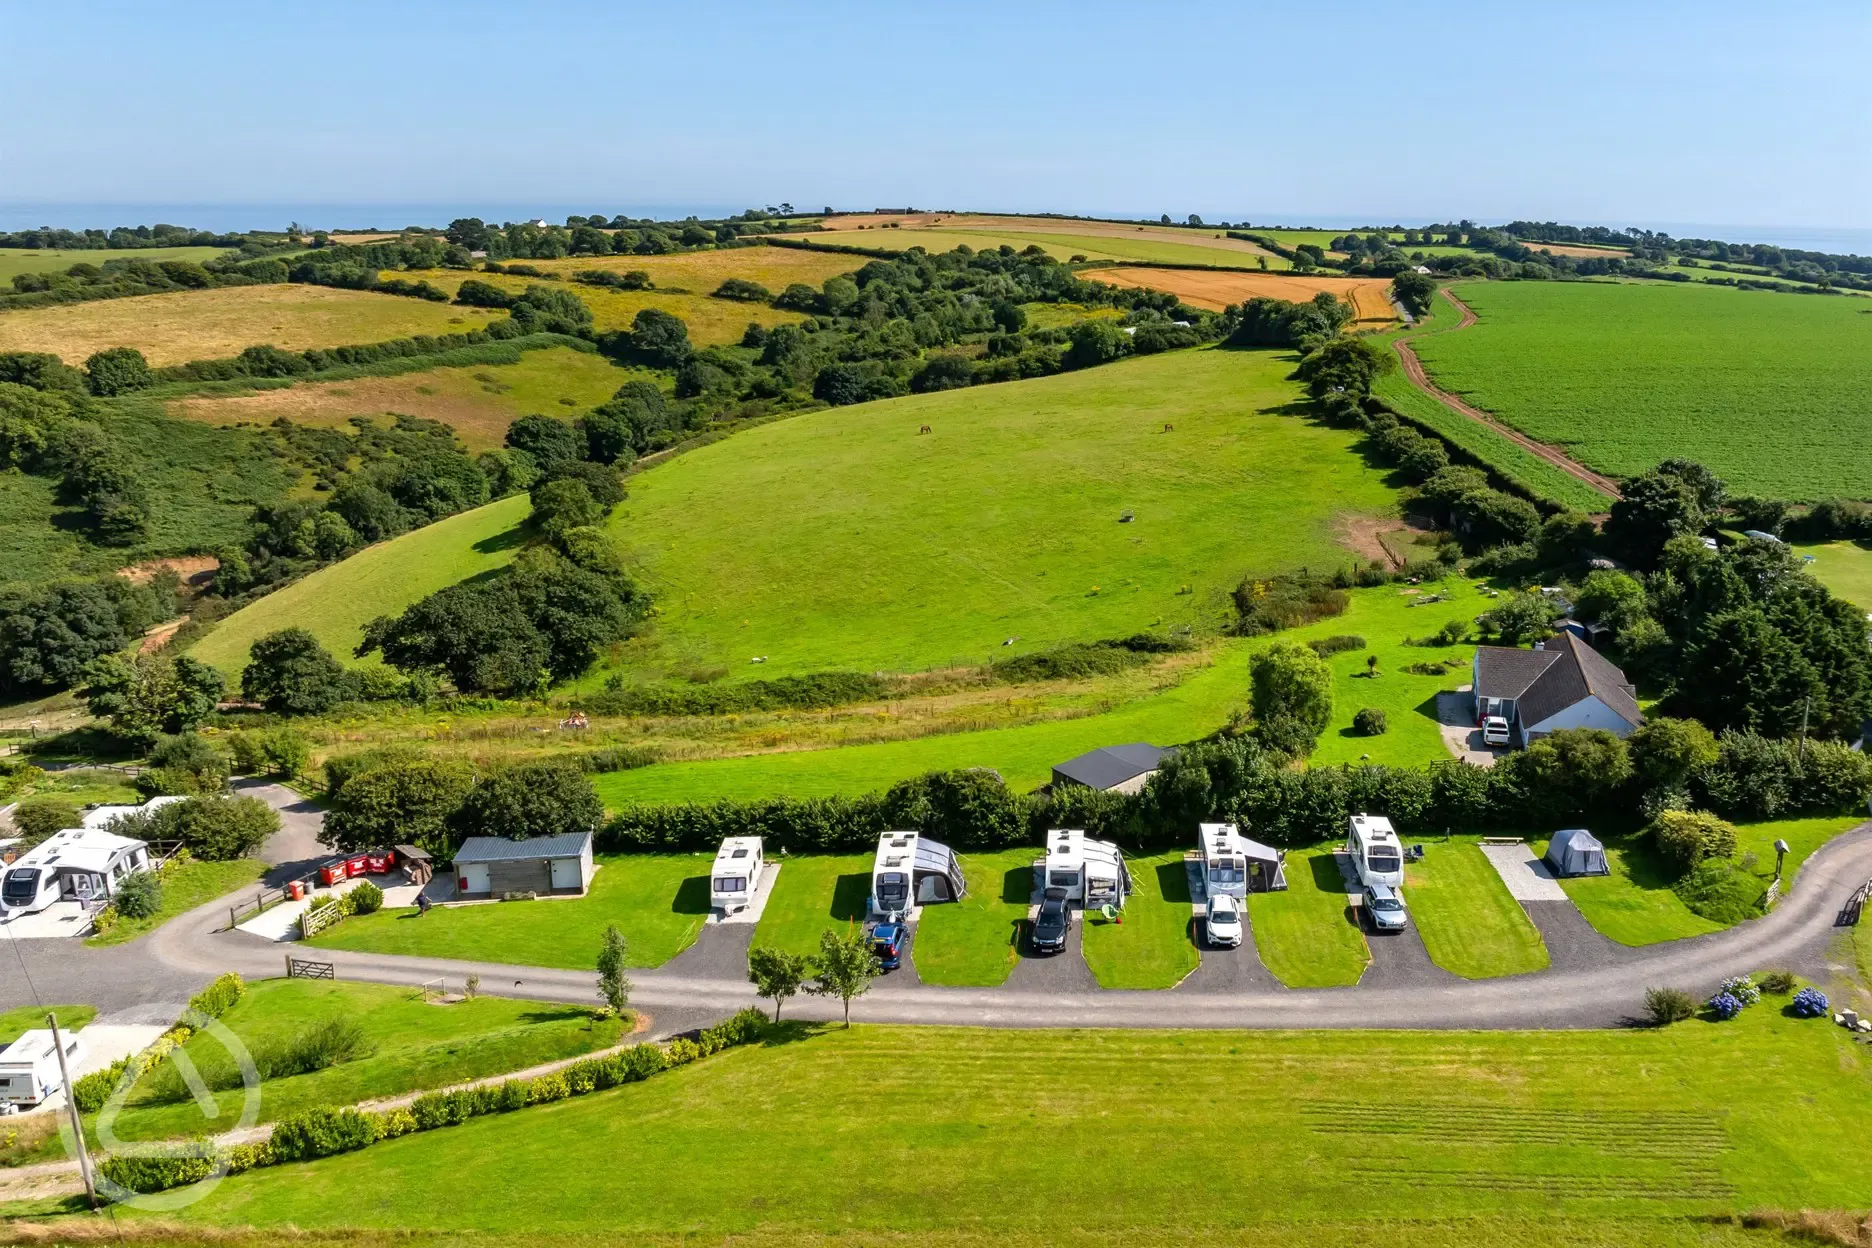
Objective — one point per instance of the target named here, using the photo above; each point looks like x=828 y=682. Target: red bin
x=296 y=890
x=357 y=865
x=333 y=874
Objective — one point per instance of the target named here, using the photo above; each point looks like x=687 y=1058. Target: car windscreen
x=1386 y=903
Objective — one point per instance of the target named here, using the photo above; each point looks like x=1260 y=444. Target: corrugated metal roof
x=1113 y=765
x=500 y=849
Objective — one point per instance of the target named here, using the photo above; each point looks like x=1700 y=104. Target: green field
x=1305 y=935
x=1470 y=924
x=337 y=601
x=1154 y=946
x=16 y=260
x=657 y=900
x=1765 y=389
x=184 y=887
x=1512 y=462
x=973 y=943
x=1697 y=1119
x=15 y=1023
x=813 y=894
x=1843 y=567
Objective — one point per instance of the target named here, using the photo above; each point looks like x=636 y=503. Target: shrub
x=1724 y=1006
x=1778 y=982
x=186 y=1163
x=1809 y=1003
x=221 y=996
x=1369 y=722
x=742 y=290
x=366 y=898
x=1664 y=1006
x=1685 y=838
x=1336 y=644
x=321 y=1133
x=139 y=895
x=36 y=818
x=1722 y=893
x=1742 y=988
x=554 y=1087
x=324 y=1044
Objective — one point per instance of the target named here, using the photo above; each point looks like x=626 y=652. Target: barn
x=493 y=866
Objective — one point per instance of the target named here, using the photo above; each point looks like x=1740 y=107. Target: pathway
x=1414 y=370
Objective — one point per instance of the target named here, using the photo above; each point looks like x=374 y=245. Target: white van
x=736 y=874
x=1377 y=853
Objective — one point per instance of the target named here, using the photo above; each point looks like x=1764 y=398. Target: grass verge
x=184 y=887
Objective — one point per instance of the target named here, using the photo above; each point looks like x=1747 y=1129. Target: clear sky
x=1336 y=112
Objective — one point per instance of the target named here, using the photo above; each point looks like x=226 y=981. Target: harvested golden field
x=213 y=324
x=1203 y=288
x=1096 y=240
x=712 y=322
x=700 y=272
x=478 y=401
x=1588 y=253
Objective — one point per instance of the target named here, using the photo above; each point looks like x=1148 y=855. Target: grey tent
x=1576 y=852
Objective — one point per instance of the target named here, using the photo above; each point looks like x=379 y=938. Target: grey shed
x=1576 y=852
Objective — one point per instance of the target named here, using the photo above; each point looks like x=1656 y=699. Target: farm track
x=1414 y=370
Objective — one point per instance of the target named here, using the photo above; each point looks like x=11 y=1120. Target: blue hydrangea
x=1725 y=1006
x=1810 y=1003
x=1742 y=988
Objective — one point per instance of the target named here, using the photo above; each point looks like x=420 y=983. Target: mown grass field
x=1470 y=924
x=813 y=894
x=1698 y=1119
x=478 y=402
x=711 y=322
x=15 y=1023
x=1763 y=388
x=975 y=942
x=1513 y=462
x=1061 y=239
x=213 y=324
x=1203 y=288
x=659 y=902
x=336 y=602
x=1004 y=522
x=185 y=887
x=1305 y=934
x=1843 y=567
x=16 y=260
x=1154 y=946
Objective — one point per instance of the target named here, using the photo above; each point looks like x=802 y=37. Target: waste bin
x=296 y=890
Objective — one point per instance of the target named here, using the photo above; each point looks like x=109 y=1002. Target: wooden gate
x=301 y=968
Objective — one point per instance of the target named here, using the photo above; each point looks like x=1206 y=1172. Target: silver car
x=1384 y=909
x=1223 y=927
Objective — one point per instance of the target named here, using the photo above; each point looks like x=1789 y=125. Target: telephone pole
x=71 y=1106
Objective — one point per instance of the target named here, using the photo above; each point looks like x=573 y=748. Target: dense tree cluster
x=49 y=636
x=401 y=796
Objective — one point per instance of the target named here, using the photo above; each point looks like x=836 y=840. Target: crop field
x=1203 y=288
x=1046 y=511
x=1641 y=1125
x=699 y=272
x=213 y=324
x=1844 y=567
x=711 y=322
x=337 y=601
x=1765 y=389
x=478 y=402
x=16 y=260
x=1061 y=239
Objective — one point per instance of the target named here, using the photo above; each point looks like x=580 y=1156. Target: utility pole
x=71 y=1107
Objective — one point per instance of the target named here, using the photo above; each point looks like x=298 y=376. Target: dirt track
x=1414 y=369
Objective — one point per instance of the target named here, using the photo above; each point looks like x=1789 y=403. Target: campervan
x=1093 y=873
x=1377 y=854
x=911 y=870
x=737 y=873
x=29 y=1067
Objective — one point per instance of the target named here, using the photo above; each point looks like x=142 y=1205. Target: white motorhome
x=29 y=1067
x=1234 y=866
x=77 y=864
x=1377 y=853
x=1093 y=873
x=911 y=870
x=736 y=874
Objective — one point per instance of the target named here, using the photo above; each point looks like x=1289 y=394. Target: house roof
x=1113 y=764
x=1546 y=681
x=500 y=849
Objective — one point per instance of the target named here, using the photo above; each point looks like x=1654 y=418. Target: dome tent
x=1576 y=852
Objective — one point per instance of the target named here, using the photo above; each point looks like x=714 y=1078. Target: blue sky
x=1336 y=113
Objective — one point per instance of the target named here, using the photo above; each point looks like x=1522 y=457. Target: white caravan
x=1234 y=866
x=737 y=874
x=29 y=1067
x=911 y=870
x=1093 y=873
x=1377 y=854
x=74 y=865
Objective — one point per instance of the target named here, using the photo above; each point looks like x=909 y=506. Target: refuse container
x=296 y=890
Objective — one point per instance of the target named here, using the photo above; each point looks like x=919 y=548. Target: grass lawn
x=415 y=1045
x=1469 y=923
x=1764 y=389
x=215 y=324
x=1605 y=1126
x=972 y=943
x=337 y=601
x=1305 y=935
x=1012 y=505
x=657 y=900
x=1153 y=947
x=185 y=887
x=815 y=893
x=15 y=1023
x=478 y=402
x=17 y=260
x=1843 y=567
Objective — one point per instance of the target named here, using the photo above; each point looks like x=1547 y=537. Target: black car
x=1054 y=921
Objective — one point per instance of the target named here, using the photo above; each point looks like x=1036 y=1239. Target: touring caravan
x=1093 y=873
x=74 y=865
x=1234 y=866
x=29 y=1067
x=28 y=887
x=1377 y=854
x=911 y=870
x=736 y=875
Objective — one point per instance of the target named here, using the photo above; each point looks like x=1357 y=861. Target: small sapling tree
x=846 y=968
x=613 y=984
x=777 y=975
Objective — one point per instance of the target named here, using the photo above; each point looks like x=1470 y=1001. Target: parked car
x=1054 y=921
x=1223 y=927
x=887 y=942
x=1495 y=731
x=1384 y=909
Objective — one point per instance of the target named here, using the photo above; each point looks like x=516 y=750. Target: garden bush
x=1778 y=982
x=1742 y=988
x=321 y=1133
x=366 y=898
x=1722 y=893
x=1724 y=1006
x=1338 y=643
x=221 y=996
x=1685 y=838
x=139 y=895
x=1369 y=722
x=179 y=1166
x=1664 y=1006
x=1809 y=1003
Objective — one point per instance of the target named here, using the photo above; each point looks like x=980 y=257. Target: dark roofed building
x=1562 y=683
x=1115 y=768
